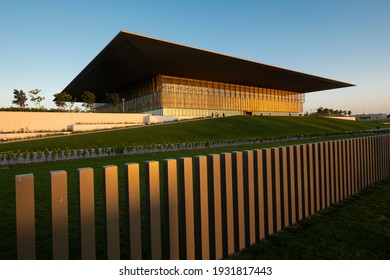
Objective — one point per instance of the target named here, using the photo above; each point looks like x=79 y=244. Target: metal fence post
x=269 y=192
x=353 y=165
x=344 y=171
x=202 y=250
x=311 y=167
x=111 y=212
x=322 y=178
x=133 y=211
x=238 y=200
x=249 y=198
x=298 y=180
x=153 y=212
x=317 y=182
x=332 y=172
x=327 y=176
x=187 y=228
x=171 y=208
x=227 y=204
x=215 y=205
x=305 y=180
x=337 y=168
x=276 y=189
x=25 y=216
x=87 y=214
x=359 y=180
x=59 y=206
x=285 y=178
x=291 y=166
x=259 y=189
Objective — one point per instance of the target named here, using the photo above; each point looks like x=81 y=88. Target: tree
x=71 y=103
x=34 y=97
x=320 y=110
x=20 y=98
x=88 y=99
x=326 y=112
x=113 y=99
x=349 y=112
x=62 y=98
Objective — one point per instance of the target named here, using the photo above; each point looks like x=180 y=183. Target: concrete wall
x=21 y=136
x=91 y=127
x=50 y=121
x=161 y=119
x=343 y=118
x=373 y=117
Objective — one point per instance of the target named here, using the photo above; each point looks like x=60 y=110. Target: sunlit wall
x=163 y=95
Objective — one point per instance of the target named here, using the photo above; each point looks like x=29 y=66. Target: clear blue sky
x=45 y=44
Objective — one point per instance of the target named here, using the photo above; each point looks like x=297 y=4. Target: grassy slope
x=356 y=228
x=209 y=129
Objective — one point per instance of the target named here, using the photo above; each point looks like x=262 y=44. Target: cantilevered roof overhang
x=130 y=58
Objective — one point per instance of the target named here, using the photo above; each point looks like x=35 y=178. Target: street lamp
x=123 y=105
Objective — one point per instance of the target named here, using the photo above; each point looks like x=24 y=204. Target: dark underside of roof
x=129 y=59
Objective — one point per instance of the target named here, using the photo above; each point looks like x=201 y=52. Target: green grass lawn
x=201 y=130
x=222 y=128
x=356 y=228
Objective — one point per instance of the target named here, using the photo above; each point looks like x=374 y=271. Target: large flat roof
x=131 y=58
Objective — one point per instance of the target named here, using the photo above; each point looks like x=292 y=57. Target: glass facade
x=196 y=95
x=164 y=95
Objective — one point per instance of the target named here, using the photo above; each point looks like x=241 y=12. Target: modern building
x=163 y=78
x=373 y=117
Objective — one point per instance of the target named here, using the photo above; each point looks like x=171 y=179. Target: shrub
x=9 y=156
x=39 y=154
x=25 y=155
x=46 y=153
x=31 y=155
x=98 y=151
